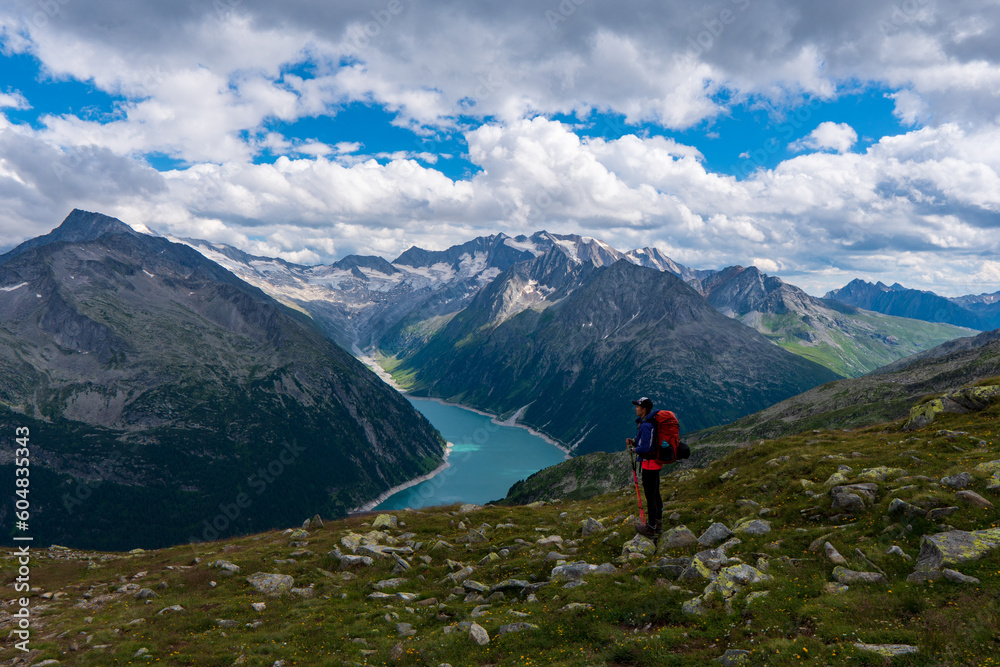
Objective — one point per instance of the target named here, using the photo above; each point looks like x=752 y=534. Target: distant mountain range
x=162 y=391
x=566 y=345
x=407 y=312
x=980 y=312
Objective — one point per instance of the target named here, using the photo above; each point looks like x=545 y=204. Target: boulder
x=853 y=498
x=733 y=657
x=845 y=576
x=959 y=481
x=679 y=537
x=270 y=583
x=385 y=521
x=714 y=534
x=731 y=580
x=753 y=527
x=958 y=578
x=887 y=650
x=516 y=627
x=955 y=547
x=964 y=400
x=638 y=547
x=898 y=506
x=990 y=467
x=478 y=634
x=591 y=527
x=881 y=474
x=974 y=499
x=834 y=555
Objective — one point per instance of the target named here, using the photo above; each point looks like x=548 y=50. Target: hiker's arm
x=645 y=442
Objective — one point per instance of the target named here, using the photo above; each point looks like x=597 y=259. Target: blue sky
x=820 y=143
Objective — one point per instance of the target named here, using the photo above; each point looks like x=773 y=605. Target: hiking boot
x=658 y=527
x=645 y=530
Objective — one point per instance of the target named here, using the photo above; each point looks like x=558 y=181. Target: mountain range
x=980 y=312
x=162 y=392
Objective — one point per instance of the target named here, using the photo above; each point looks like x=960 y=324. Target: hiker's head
x=643 y=406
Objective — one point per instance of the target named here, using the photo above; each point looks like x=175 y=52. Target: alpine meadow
x=499 y=334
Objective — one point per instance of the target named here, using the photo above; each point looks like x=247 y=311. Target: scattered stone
x=731 y=580
x=896 y=551
x=753 y=527
x=837 y=478
x=637 y=548
x=258 y=606
x=591 y=527
x=175 y=607
x=834 y=555
x=679 y=537
x=577 y=606
x=774 y=463
x=733 y=657
x=478 y=634
x=516 y=627
x=385 y=521
x=225 y=565
x=747 y=504
x=550 y=541
x=887 y=650
x=270 y=583
x=717 y=532
x=959 y=481
x=141 y=652
x=350 y=561
x=405 y=630
x=898 y=506
x=881 y=474
x=729 y=474
x=145 y=594
x=474 y=586
x=845 y=576
x=833 y=588
x=958 y=578
x=940 y=513
x=853 y=498
x=975 y=499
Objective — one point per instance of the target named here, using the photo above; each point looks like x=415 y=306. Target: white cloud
x=828 y=135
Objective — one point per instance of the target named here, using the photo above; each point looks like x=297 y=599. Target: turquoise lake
x=487 y=458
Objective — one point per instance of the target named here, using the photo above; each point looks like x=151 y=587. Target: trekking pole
x=635 y=478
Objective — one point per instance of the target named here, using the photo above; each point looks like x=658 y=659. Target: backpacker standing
x=644 y=448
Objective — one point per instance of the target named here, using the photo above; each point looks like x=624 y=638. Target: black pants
x=654 y=503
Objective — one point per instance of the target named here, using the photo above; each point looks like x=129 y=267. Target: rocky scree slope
x=159 y=389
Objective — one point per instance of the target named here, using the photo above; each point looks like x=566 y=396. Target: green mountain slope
x=845 y=339
x=882 y=396
x=162 y=392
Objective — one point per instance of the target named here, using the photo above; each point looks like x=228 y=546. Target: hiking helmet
x=644 y=403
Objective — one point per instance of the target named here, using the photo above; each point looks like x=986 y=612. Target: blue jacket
x=644 y=437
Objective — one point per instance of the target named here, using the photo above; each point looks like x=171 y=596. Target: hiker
x=643 y=447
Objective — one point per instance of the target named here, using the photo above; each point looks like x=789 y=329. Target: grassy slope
x=636 y=619
x=862 y=345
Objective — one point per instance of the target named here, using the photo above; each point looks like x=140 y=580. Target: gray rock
x=510 y=585
x=383 y=521
x=591 y=527
x=958 y=578
x=959 y=481
x=638 y=548
x=679 y=537
x=733 y=657
x=887 y=650
x=145 y=594
x=868 y=492
x=516 y=627
x=975 y=499
x=845 y=576
x=956 y=547
x=904 y=508
x=389 y=583
x=478 y=634
x=834 y=555
x=754 y=527
x=350 y=561
x=405 y=630
x=940 y=513
x=270 y=583
x=717 y=532
x=471 y=585
x=175 y=607
x=225 y=565
x=896 y=551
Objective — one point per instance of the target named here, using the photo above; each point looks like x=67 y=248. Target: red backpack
x=667 y=438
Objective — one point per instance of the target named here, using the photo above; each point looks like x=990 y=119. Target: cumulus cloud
x=839 y=137
x=205 y=83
